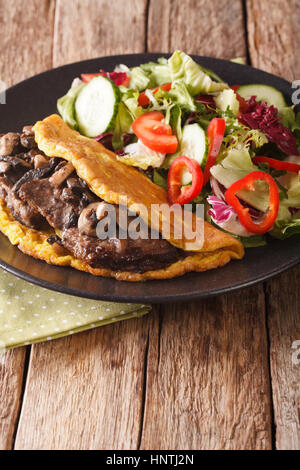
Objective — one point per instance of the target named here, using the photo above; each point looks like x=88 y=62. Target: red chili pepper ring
x=243 y=212
x=178 y=194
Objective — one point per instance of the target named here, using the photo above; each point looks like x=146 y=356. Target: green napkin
x=30 y=314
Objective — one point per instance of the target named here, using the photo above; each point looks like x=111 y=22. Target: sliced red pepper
x=178 y=194
x=143 y=99
x=155 y=133
x=248 y=182
x=215 y=134
x=278 y=164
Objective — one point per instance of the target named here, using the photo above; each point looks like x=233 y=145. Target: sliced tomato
x=87 y=77
x=155 y=133
x=143 y=99
x=178 y=194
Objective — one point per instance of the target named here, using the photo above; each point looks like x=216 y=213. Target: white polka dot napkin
x=30 y=314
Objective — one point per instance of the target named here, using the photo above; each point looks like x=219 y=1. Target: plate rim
x=181 y=297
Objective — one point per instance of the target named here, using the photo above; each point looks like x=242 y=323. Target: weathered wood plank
x=11 y=377
x=274 y=40
x=207 y=373
x=207 y=382
x=197 y=27
x=274 y=36
x=93 y=28
x=283 y=306
x=25 y=38
x=26 y=49
x=86 y=391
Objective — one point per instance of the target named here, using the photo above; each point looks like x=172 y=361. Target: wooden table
x=215 y=374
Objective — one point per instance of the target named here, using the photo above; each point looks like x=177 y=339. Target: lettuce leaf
x=239 y=60
x=130 y=99
x=66 y=105
x=254 y=241
x=158 y=73
x=122 y=126
x=139 y=79
x=289 y=119
x=227 y=99
x=286 y=228
x=138 y=154
x=239 y=137
x=160 y=178
x=175 y=121
x=183 y=67
x=179 y=94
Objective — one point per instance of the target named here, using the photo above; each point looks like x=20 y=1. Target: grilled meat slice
x=16 y=161
x=58 y=204
x=21 y=210
x=120 y=255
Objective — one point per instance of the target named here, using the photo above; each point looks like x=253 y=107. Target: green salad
x=232 y=147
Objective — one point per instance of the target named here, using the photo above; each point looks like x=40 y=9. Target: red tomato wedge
x=154 y=133
x=143 y=99
x=215 y=134
x=178 y=194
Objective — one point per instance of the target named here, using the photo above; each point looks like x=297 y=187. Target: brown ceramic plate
x=35 y=98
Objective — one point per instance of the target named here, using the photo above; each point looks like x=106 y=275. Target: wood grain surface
x=26 y=49
x=197 y=27
x=207 y=376
x=11 y=379
x=215 y=374
x=283 y=305
x=204 y=420
x=97 y=397
x=277 y=35
x=91 y=28
x=274 y=36
x=86 y=391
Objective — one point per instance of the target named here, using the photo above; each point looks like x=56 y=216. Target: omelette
x=57 y=186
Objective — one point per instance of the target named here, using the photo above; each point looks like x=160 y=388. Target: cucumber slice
x=193 y=145
x=96 y=106
x=265 y=93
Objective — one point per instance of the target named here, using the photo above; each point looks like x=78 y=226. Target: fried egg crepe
x=116 y=183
